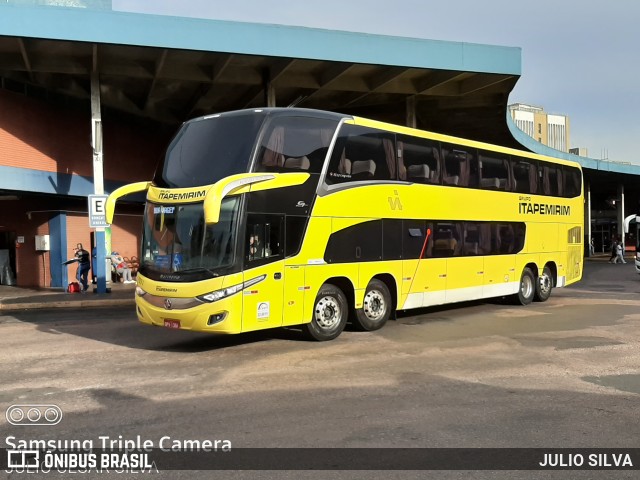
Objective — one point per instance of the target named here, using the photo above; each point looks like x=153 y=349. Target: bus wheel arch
x=378 y=304
x=330 y=310
x=545 y=282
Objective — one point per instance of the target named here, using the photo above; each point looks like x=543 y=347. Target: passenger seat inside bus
x=419 y=171
x=297 y=163
x=444 y=244
x=364 y=168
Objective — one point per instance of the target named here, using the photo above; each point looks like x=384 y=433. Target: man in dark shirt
x=84 y=264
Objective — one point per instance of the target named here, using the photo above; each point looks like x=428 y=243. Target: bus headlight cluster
x=228 y=291
x=140 y=292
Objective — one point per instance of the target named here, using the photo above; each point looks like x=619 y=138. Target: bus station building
x=91 y=96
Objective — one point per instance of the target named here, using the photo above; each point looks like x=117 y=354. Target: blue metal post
x=100 y=261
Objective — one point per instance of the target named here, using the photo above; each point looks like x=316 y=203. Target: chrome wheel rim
x=327 y=313
x=374 y=306
x=545 y=284
x=526 y=287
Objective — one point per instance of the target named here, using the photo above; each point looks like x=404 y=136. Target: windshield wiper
x=199 y=269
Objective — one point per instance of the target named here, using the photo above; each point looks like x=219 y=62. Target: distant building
x=581 y=151
x=550 y=130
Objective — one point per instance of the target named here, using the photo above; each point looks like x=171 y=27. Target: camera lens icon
x=33 y=415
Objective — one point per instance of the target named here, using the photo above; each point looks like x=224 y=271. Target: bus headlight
x=140 y=292
x=228 y=291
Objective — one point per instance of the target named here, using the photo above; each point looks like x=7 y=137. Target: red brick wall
x=126 y=235
x=30 y=270
x=41 y=136
x=38 y=135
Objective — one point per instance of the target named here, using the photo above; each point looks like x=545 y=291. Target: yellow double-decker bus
x=276 y=217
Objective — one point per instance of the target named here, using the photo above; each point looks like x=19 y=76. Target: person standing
x=84 y=265
x=614 y=250
x=619 y=253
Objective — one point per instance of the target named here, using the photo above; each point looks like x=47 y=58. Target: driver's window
x=264 y=238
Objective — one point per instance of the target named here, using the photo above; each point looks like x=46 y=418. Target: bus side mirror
x=121 y=192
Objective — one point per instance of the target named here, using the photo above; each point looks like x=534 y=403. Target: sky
x=580 y=58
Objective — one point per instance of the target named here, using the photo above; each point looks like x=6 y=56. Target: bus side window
x=525 y=176
x=472 y=244
x=520 y=230
x=362 y=154
x=572 y=182
x=413 y=238
x=460 y=166
x=419 y=160
x=295 y=144
x=552 y=180
x=494 y=172
x=507 y=238
x=447 y=240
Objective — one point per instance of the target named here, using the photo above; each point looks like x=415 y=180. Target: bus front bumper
x=222 y=316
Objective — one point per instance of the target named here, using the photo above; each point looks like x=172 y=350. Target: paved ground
x=565 y=373
x=17 y=298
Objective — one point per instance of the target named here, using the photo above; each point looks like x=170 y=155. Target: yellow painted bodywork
x=289 y=299
x=121 y=192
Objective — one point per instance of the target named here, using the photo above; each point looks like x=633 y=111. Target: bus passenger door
x=424 y=277
x=465 y=263
x=264 y=263
x=500 y=277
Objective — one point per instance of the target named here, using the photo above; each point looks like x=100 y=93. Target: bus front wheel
x=527 y=289
x=544 y=285
x=330 y=312
x=376 y=307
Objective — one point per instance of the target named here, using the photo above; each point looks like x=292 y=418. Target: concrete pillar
x=620 y=210
x=98 y=178
x=270 y=94
x=411 y=112
x=587 y=216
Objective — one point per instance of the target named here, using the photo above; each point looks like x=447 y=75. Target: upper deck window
x=419 y=159
x=208 y=149
x=460 y=166
x=295 y=143
x=362 y=154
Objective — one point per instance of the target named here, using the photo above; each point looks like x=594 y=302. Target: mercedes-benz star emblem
x=167 y=303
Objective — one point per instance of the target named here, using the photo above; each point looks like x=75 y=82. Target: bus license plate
x=171 y=323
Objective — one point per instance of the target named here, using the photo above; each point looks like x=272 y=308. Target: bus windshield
x=176 y=239
x=208 y=149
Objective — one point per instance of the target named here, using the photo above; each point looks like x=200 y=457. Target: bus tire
x=330 y=312
x=544 y=285
x=527 y=288
x=376 y=307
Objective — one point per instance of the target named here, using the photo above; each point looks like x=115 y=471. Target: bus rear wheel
x=544 y=285
x=527 y=289
x=330 y=312
x=376 y=307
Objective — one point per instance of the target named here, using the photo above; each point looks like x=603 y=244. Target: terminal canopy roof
x=170 y=69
